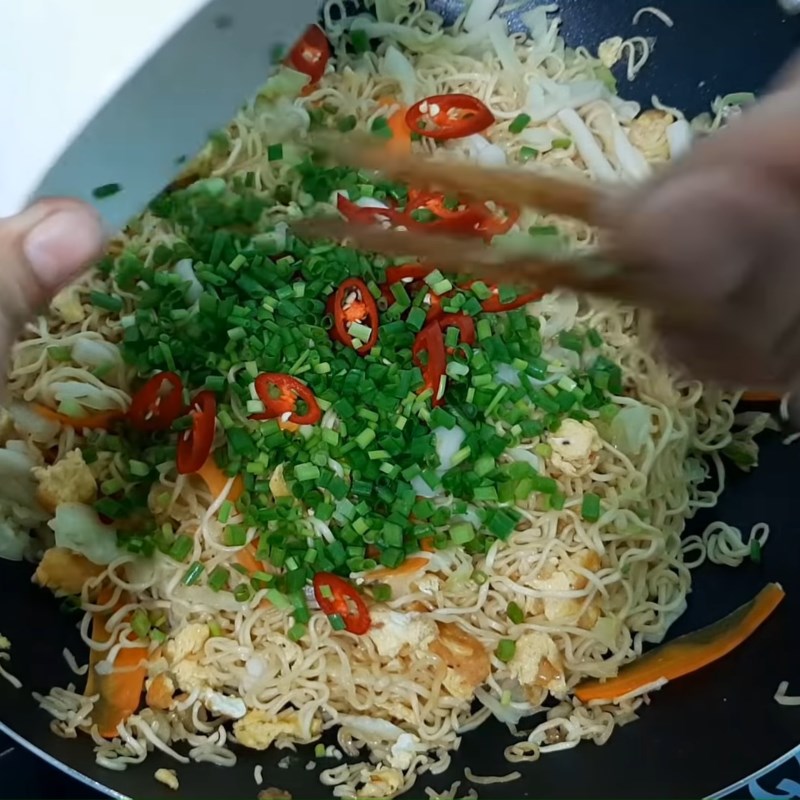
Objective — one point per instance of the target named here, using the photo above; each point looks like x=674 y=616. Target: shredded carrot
x=687 y=653
x=400 y=143
x=216 y=480
x=247 y=558
x=121 y=690
x=409 y=566
x=762 y=397
x=426 y=544
x=103 y=419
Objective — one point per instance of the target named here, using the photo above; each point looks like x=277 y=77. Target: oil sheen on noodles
x=592 y=593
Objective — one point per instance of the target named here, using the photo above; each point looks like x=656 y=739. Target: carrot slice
x=426 y=544
x=687 y=653
x=762 y=397
x=400 y=143
x=103 y=419
x=409 y=566
x=216 y=480
x=247 y=558
x=121 y=690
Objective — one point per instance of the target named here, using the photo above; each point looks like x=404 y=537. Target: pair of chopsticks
x=599 y=272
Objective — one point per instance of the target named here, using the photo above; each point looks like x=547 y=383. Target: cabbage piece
x=630 y=429
x=286 y=82
x=78 y=528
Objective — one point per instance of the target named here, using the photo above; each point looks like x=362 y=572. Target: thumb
x=41 y=250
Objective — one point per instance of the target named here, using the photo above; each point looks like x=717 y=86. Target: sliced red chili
x=431 y=342
x=279 y=393
x=158 y=403
x=465 y=325
x=493 y=304
x=466 y=218
x=495 y=224
x=338 y=597
x=448 y=116
x=310 y=55
x=194 y=445
x=405 y=271
x=366 y=215
x=353 y=303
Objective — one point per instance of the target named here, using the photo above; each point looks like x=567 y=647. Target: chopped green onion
x=519 y=123
x=105 y=301
x=140 y=623
x=274 y=152
x=106 y=190
x=192 y=575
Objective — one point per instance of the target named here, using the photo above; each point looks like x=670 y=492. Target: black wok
x=703 y=734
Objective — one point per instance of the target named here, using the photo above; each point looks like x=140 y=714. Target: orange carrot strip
x=102 y=419
x=410 y=565
x=247 y=558
x=120 y=691
x=400 y=143
x=216 y=479
x=426 y=544
x=762 y=397
x=687 y=653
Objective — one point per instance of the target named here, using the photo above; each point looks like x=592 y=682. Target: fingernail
x=62 y=244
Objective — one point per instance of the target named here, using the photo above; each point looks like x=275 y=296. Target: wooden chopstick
x=522 y=188
x=541 y=270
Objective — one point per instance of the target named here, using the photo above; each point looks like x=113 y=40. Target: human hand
x=41 y=250
x=721 y=227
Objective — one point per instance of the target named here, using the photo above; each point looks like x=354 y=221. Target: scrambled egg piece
x=159 y=692
x=189 y=640
x=648 y=133
x=565 y=580
x=258 y=730
x=468 y=663
x=610 y=50
x=380 y=782
x=403 y=751
x=392 y=631
x=168 y=777
x=190 y=674
x=575 y=447
x=68 y=481
x=67 y=304
x=65 y=572
x=537 y=664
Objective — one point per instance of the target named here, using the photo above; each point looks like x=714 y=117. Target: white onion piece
x=93 y=353
x=479 y=13
x=546 y=98
x=587 y=145
x=322 y=529
x=679 y=138
x=370 y=729
x=505 y=373
x=484 y=152
x=397 y=66
x=185 y=270
x=27 y=421
x=633 y=163
x=503 y=45
x=448 y=443
x=510 y=714
x=526 y=456
x=422 y=489
x=13 y=542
